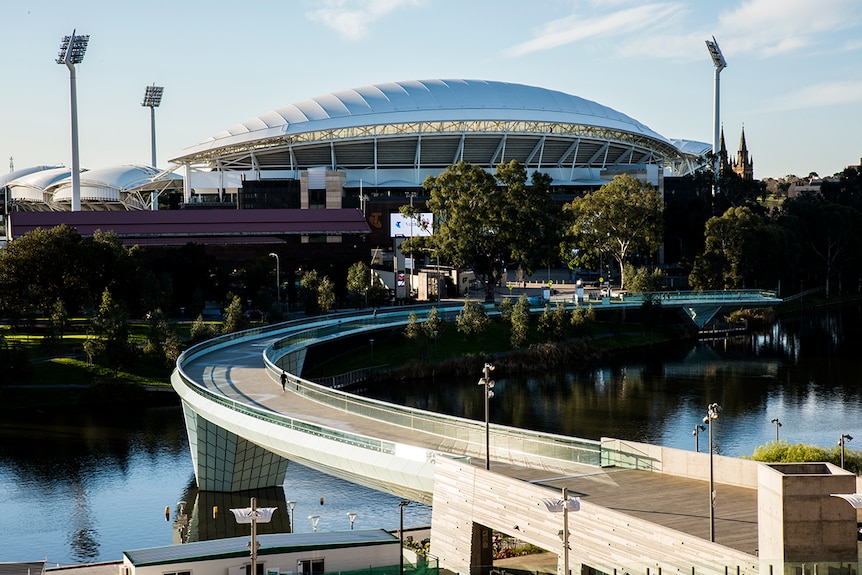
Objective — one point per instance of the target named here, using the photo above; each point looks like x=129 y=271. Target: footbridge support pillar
x=223 y=461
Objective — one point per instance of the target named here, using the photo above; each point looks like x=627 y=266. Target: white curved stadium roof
x=418 y=100
x=110 y=188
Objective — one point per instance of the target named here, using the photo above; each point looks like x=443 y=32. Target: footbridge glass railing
x=462 y=434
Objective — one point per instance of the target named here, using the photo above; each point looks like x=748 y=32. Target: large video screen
x=401 y=226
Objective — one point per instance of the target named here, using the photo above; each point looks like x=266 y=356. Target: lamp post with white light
x=712 y=412
x=351 y=516
x=254 y=515
x=72 y=50
x=291 y=505
x=315 y=519
x=844 y=438
x=564 y=505
x=488 y=384
x=777 y=424
x=277 y=277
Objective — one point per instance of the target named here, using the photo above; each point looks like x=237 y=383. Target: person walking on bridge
x=283 y=381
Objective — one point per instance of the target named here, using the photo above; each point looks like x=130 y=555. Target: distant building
x=294 y=553
x=742 y=165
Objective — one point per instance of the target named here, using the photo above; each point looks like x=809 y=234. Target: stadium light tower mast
x=152 y=99
x=72 y=50
x=720 y=64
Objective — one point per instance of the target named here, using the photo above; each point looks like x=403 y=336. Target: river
x=84 y=485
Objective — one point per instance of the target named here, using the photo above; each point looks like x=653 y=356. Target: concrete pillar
x=799 y=522
x=224 y=461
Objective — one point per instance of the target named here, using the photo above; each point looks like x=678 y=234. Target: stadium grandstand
x=353 y=157
x=388 y=138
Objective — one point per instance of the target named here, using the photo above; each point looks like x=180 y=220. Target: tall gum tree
x=487 y=222
x=619 y=219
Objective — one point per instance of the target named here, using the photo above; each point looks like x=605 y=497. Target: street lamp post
x=254 y=515
x=777 y=425
x=351 y=516
x=488 y=384
x=291 y=505
x=72 y=50
x=712 y=412
x=564 y=505
x=844 y=438
x=697 y=429
x=315 y=519
x=277 y=277
x=401 y=505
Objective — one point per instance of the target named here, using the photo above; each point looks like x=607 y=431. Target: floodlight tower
x=720 y=64
x=72 y=50
x=152 y=99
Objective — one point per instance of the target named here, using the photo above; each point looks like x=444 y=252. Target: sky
x=793 y=79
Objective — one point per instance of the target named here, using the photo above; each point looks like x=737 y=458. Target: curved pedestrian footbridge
x=640 y=505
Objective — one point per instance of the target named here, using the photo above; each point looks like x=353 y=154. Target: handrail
x=293 y=336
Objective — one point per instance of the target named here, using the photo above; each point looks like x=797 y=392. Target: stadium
x=387 y=138
x=379 y=140
x=324 y=177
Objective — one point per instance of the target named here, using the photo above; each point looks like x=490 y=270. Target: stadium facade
x=334 y=151
x=385 y=139
x=363 y=152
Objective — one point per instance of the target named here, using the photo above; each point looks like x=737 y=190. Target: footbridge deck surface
x=238 y=372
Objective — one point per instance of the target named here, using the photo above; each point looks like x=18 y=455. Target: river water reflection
x=84 y=486
x=804 y=371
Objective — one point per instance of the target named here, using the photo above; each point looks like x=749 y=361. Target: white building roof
x=425 y=100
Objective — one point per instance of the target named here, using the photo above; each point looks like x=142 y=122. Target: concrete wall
x=798 y=520
x=679 y=462
x=602 y=539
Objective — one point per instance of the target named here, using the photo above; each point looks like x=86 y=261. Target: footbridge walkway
x=640 y=504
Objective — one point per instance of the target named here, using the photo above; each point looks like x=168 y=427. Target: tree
x=730 y=251
x=826 y=234
x=642 y=279
x=308 y=287
x=59 y=319
x=58 y=264
x=111 y=330
x=201 y=331
x=413 y=330
x=163 y=343
x=472 y=319
x=358 y=276
x=520 y=320
x=530 y=209
x=553 y=322
x=325 y=294
x=434 y=324
x=233 y=319
x=620 y=218
x=483 y=226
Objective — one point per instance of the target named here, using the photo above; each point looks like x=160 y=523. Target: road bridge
x=641 y=505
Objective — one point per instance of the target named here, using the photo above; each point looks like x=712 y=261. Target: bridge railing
x=469 y=434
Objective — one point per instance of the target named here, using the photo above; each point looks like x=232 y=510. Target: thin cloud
x=822 y=95
x=352 y=19
x=575 y=28
x=773 y=27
